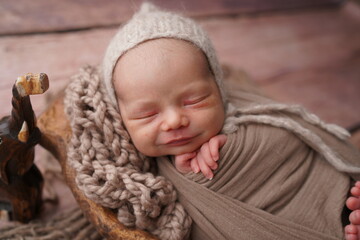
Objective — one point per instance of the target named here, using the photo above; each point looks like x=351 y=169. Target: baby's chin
x=183 y=149
x=178 y=150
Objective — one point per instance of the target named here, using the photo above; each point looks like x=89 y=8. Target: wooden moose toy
x=20 y=180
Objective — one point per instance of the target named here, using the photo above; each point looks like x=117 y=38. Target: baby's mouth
x=179 y=141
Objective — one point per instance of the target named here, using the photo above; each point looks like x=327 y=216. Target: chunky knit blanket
x=269 y=176
x=110 y=171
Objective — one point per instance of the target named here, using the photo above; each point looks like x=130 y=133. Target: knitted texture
x=69 y=225
x=110 y=171
x=152 y=23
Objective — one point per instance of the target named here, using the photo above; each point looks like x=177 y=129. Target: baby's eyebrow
x=195 y=89
x=140 y=106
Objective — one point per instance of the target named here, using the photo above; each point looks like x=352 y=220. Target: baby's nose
x=174 y=119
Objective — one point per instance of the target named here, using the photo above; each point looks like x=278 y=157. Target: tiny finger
x=206 y=156
x=204 y=167
x=194 y=165
x=215 y=144
x=351 y=229
x=355 y=191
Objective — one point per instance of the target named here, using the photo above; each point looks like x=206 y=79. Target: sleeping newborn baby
x=171 y=112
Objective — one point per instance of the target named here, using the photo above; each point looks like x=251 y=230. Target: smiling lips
x=179 y=142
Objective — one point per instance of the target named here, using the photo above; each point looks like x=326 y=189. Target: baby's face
x=168 y=98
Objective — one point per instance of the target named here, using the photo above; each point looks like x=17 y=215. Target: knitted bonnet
x=151 y=23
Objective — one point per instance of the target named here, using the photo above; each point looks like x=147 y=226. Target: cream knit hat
x=152 y=23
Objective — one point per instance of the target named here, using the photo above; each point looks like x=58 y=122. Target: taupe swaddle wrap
x=272 y=182
x=264 y=167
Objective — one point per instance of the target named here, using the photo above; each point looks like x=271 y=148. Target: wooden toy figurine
x=20 y=180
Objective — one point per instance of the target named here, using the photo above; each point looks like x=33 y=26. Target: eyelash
x=146 y=116
x=195 y=101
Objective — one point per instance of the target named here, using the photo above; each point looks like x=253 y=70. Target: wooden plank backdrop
x=309 y=57
x=22 y=16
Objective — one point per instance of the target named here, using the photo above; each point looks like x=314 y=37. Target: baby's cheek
x=146 y=132
x=213 y=117
x=141 y=145
x=143 y=140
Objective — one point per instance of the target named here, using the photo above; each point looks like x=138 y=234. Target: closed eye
x=195 y=101
x=147 y=115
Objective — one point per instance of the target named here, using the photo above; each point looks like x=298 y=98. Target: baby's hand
x=204 y=160
x=183 y=162
x=207 y=156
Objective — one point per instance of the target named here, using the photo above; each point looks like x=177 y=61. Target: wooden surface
x=310 y=56
x=22 y=17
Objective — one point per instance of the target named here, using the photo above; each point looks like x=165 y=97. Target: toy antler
x=20 y=180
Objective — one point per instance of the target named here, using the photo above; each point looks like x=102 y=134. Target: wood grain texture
x=307 y=57
x=19 y=17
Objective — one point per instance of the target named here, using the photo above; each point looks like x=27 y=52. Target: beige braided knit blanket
x=283 y=173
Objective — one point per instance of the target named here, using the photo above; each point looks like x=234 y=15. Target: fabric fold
x=271 y=183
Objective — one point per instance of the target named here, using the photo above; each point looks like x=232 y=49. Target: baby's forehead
x=158 y=59
x=162 y=52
